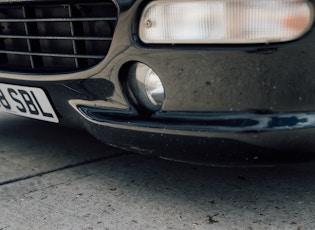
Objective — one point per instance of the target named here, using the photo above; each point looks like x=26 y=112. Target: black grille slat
x=73 y=34
x=55 y=37
x=35 y=61
x=58 y=19
x=52 y=54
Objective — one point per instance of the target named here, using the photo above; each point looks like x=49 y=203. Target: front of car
x=179 y=79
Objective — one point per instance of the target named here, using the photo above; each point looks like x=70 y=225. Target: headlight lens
x=224 y=21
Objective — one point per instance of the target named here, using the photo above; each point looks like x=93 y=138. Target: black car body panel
x=253 y=99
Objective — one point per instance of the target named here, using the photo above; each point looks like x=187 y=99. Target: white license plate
x=26 y=101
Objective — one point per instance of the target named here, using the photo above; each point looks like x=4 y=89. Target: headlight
x=224 y=21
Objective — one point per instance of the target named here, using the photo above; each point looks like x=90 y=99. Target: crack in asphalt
x=59 y=169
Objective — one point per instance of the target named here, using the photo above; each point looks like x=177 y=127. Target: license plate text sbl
x=29 y=99
x=26 y=101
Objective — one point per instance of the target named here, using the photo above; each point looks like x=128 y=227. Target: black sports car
x=183 y=79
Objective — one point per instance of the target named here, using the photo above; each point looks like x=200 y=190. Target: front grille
x=50 y=37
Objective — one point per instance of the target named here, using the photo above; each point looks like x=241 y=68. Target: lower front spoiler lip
x=203 y=122
x=238 y=139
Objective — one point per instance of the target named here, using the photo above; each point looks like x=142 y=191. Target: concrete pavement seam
x=59 y=169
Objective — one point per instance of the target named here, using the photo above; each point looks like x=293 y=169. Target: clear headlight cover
x=224 y=21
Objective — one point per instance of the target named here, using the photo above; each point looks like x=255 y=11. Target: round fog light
x=146 y=86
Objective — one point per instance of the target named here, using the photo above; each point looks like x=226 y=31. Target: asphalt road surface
x=53 y=177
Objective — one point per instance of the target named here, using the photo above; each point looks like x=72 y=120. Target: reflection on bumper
x=203 y=122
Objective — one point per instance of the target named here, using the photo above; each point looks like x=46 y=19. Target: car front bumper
x=247 y=100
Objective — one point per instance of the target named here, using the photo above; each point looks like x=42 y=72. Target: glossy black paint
x=224 y=104
x=204 y=122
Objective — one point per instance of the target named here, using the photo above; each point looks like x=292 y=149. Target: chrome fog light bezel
x=146 y=87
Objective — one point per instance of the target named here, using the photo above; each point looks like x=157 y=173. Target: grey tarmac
x=53 y=177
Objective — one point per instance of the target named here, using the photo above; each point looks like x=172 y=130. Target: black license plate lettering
x=3 y=101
